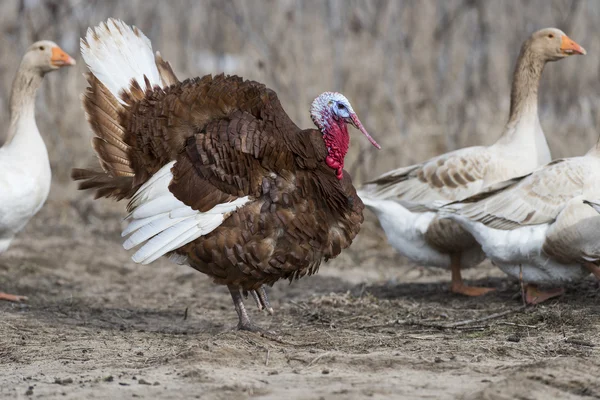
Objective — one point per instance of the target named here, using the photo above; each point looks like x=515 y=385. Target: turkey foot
x=12 y=297
x=244 y=323
x=594 y=269
x=262 y=300
x=533 y=295
x=458 y=285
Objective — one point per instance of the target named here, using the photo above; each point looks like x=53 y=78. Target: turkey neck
x=22 y=104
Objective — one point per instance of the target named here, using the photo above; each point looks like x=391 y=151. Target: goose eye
x=42 y=48
x=551 y=36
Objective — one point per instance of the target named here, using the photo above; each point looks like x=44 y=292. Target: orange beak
x=60 y=58
x=568 y=46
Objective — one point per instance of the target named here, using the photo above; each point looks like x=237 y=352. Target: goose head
x=45 y=56
x=552 y=44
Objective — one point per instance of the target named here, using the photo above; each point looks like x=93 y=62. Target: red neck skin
x=337 y=140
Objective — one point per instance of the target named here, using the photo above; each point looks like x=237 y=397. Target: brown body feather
x=230 y=138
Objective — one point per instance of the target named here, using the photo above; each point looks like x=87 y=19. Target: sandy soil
x=369 y=325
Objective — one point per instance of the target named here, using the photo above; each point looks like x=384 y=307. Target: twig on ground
x=459 y=325
x=519 y=325
x=580 y=342
x=317 y=358
x=486 y=318
x=267 y=358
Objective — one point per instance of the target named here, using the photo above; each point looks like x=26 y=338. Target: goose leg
x=12 y=297
x=533 y=295
x=458 y=286
x=593 y=268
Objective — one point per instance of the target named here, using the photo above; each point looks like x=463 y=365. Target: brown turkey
x=217 y=174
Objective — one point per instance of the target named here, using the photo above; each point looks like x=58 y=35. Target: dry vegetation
x=425 y=77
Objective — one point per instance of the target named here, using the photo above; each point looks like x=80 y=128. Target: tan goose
x=538 y=227
x=24 y=167
x=405 y=199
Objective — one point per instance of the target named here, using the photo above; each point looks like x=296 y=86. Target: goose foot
x=594 y=269
x=473 y=291
x=12 y=297
x=533 y=295
x=458 y=285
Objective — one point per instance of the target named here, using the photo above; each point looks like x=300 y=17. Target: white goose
x=405 y=200
x=538 y=227
x=24 y=168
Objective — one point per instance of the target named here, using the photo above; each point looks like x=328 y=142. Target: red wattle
x=337 y=141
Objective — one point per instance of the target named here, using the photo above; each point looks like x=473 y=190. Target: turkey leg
x=262 y=300
x=244 y=323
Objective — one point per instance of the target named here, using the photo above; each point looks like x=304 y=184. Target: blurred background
x=425 y=76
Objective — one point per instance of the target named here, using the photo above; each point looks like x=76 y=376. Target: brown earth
x=98 y=326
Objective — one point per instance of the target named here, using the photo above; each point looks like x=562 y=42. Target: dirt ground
x=369 y=325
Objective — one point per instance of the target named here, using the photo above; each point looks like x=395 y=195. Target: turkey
x=216 y=173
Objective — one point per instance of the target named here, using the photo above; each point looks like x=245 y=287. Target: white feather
x=406 y=231
x=117 y=54
x=519 y=252
x=161 y=223
x=151 y=229
x=166 y=202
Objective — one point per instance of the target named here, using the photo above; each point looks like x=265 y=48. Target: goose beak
x=355 y=122
x=60 y=58
x=569 y=47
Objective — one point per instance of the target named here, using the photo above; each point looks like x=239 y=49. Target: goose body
x=217 y=175
x=25 y=174
x=407 y=200
x=24 y=183
x=538 y=228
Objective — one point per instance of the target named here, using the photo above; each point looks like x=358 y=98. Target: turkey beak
x=60 y=58
x=569 y=47
x=357 y=124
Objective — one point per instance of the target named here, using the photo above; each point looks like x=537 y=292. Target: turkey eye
x=42 y=48
x=551 y=36
x=341 y=106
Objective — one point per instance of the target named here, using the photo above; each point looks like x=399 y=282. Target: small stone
x=438 y=360
x=29 y=391
x=143 y=382
x=514 y=339
x=156 y=384
x=273 y=372
x=325 y=372
x=109 y=378
x=123 y=383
